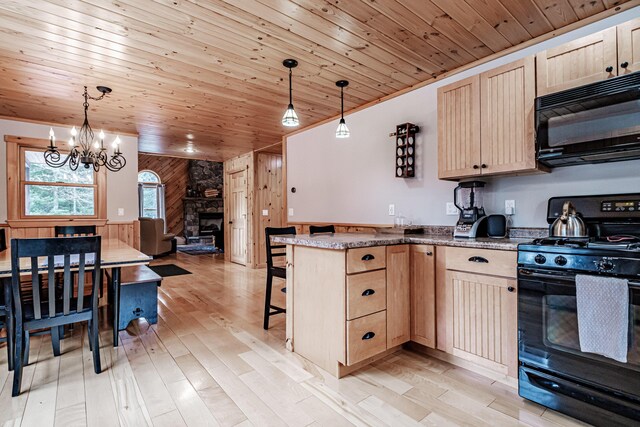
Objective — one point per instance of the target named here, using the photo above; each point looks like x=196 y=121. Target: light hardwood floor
x=209 y=362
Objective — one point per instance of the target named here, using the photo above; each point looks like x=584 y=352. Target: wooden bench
x=138 y=295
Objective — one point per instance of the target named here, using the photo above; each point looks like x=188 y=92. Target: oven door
x=548 y=335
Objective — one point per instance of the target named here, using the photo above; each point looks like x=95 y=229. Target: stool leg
x=267 y=300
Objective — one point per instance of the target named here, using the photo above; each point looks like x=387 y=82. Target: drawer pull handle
x=478 y=259
x=511 y=289
x=368 y=336
x=428 y=253
x=368 y=257
x=368 y=292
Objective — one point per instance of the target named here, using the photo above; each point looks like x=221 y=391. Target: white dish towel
x=603 y=315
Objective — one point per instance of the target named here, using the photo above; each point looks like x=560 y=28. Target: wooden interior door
x=629 y=47
x=238 y=217
x=507 y=95
x=459 y=129
x=423 y=295
x=398 y=295
x=483 y=320
x=577 y=63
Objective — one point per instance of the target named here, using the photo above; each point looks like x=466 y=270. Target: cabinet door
x=423 y=295
x=578 y=62
x=507 y=96
x=398 y=295
x=459 y=129
x=482 y=314
x=629 y=47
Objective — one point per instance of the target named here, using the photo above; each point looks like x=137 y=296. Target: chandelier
x=84 y=149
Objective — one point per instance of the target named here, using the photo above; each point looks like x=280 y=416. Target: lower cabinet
x=482 y=312
x=398 y=295
x=366 y=337
x=423 y=295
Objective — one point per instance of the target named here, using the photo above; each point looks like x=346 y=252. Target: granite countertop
x=356 y=240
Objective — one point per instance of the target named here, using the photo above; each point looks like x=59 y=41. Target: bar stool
x=318 y=229
x=274 y=271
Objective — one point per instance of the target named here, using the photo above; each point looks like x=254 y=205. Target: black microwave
x=595 y=123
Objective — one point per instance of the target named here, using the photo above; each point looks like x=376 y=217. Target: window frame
x=16 y=187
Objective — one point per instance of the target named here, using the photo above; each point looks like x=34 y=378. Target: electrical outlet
x=451 y=209
x=392 y=210
x=509 y=207
x=290 y=211
x=265 y=212
x=120 y=211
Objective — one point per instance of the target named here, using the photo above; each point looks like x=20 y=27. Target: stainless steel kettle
x=569 y=224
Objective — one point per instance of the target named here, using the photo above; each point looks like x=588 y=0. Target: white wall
x=122 y=186
x=352 y=180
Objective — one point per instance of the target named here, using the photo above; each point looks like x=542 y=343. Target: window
x=151 y=195
x=56 y=192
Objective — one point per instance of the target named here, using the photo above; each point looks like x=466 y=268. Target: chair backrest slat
x=273 y=231
x=317 y=229
x=64 y=249
x=35 y=287
x=80 y=283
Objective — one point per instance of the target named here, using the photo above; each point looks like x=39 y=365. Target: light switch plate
x=120 y=211
x=392 y=209
x=509 y=207
x=265 y=212
x=290 y=211
x=451 y=209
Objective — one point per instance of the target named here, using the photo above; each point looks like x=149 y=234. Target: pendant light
x=342 y=131
x=290 y=117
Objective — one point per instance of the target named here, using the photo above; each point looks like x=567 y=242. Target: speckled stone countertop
x=356 y=240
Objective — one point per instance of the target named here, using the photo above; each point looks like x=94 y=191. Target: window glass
x=148 y=176
x=150 y=202
x=59 y=200
x=36 y=170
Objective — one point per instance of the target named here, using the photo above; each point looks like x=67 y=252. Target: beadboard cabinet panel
x=629 y=47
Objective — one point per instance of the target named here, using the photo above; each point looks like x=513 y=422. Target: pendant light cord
x=290 y=97
x=342 y=103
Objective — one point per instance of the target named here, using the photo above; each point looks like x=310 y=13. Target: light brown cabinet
x=629 y=47
x=459 y=129
x=423 y=295
x=485 y=123
x=398 y=295
x=586 y=60
x=481 y=308
x=608 y=53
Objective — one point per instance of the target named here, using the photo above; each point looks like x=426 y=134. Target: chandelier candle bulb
x=52 y=138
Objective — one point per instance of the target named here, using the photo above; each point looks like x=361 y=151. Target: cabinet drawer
x=366 y=293
x=484 y=261
x=365 y=259
x=366 y=337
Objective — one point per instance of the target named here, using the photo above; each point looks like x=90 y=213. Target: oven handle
x=560 y=276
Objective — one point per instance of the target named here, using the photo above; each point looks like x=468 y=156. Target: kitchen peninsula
x=353 y=298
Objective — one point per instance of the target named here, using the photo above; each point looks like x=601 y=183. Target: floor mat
x=167 y=270
x=199 y=249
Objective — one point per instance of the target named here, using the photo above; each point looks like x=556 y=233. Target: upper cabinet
x=629 y=47
x=609 y=53
x=578 y=63
x=459 y=129
x=485 y=123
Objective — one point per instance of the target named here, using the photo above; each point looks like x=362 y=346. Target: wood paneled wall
x=174 y=173
x=268 y=199
x=128 y=232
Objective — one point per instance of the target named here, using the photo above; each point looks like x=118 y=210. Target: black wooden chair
x=274 y=251
x=34 y=313
x=320 y=229
x=79 y=231
x=3 y=240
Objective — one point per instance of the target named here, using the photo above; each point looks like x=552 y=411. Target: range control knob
x=540 y=259
x=605 y=265
x=560 y=260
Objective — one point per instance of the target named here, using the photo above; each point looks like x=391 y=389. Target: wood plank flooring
x=209 y=362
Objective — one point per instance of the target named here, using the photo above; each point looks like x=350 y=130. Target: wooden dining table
x=115 y=255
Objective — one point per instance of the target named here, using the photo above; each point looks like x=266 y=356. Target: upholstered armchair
x=153 y=240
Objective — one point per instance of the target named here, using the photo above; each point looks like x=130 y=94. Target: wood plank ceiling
x=213 y=68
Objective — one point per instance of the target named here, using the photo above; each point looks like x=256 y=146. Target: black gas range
x=553 y=371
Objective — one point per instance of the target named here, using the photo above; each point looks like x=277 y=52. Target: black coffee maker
x=468 y=198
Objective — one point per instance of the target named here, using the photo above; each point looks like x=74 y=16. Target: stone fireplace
x=203 y=175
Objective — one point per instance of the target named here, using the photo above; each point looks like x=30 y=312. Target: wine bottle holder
x=405 y=137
